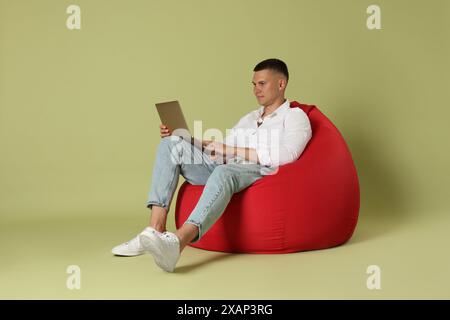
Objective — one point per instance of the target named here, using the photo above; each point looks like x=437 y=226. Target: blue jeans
x=175 y=155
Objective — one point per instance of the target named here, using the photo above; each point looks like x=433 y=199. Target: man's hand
x=218 y=150
x=164 y=131
x=206 y=142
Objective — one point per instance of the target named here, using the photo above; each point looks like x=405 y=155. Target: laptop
x=172 y=116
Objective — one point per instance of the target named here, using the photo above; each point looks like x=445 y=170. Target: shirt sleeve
x=278 y=148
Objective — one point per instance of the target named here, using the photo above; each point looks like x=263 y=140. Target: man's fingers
x=209 y=149
x=164 y=128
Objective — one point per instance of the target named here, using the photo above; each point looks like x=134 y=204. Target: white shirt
x=280 y=139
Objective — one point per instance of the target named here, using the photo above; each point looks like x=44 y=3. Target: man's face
x=268 y=86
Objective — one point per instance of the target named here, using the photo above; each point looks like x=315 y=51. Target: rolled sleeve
x=261 y=141
x=286 y=146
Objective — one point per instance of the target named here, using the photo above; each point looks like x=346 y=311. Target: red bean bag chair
x=311 y=203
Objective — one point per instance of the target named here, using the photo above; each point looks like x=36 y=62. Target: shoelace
x=172 y=238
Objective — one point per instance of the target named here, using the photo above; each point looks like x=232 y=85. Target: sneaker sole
x=128 y=254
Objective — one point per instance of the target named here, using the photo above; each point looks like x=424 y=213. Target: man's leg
x=158 y=218
x=187 y=233
x=174 y=156
x=225 y=180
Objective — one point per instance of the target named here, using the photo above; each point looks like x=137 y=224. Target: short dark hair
x=273 y=64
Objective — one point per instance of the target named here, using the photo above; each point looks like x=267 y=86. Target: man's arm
x=288 y=145
x=201 y=144
x=218 y=149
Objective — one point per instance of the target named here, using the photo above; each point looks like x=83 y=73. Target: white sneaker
x=164 y=247
x=134 y=246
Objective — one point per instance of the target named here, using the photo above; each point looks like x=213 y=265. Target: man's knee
x=168 y=148
x=170 y=140
x=170 y=144
x=179 y=150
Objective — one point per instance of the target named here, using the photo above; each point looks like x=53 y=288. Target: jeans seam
x=167 y=202
x=202 y=214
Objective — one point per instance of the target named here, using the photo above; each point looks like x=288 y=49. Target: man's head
x=270 y=81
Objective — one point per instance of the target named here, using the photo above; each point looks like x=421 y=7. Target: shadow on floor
x=205 y=261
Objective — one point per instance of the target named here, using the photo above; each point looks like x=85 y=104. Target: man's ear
x=282 y=84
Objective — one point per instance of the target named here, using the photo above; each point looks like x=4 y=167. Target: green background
x=78 y=133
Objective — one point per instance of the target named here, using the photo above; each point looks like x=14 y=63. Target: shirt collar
x=282 y=108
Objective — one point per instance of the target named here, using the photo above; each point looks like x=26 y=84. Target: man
x=249 y=152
